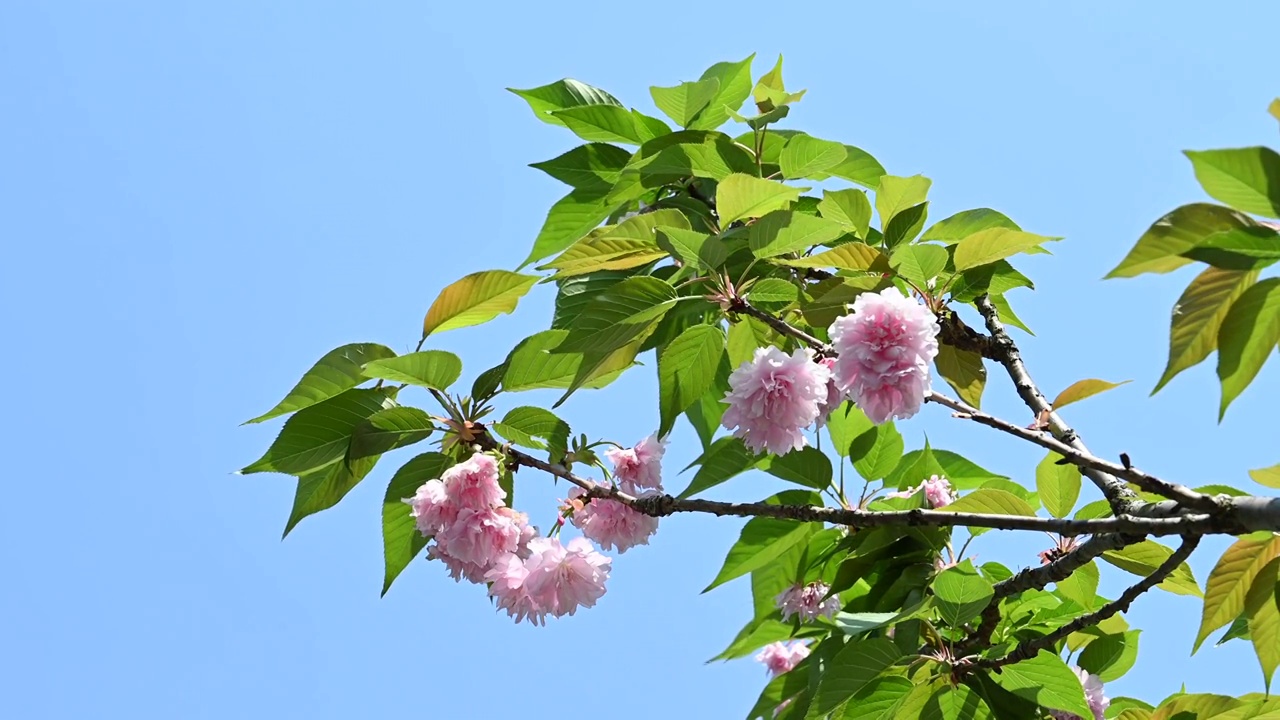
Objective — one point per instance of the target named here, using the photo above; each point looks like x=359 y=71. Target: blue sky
x=199 y=200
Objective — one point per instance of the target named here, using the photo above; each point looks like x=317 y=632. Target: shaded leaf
x=964 y=372
x=325 y=487
x=591 y=166
x=807 y=466
x=568 y=220
x=687 y=370
x=1249 y=334
x=725 y=458
x=319 y=435
x=387 y=430
x=401 y=541
x=762 y=540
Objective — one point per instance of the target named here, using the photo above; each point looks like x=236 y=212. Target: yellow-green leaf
x=741 y=196
x=684 y=101
x=1197 y=316
x=964 y=372
x=1057 y=485
x=1274 y=108
x=804 y=156
x=1247 y=179
x=1248 y=336
x=1264 y=620
x=992 y=244
x=338 y=371
x=784 y=231
x=991 y=501
x=1268 y=476
x=476 y=298
x=1160 y=248
x=849 y=207
x=896 y=194
x=1082 y=389
x=1143 y=559
x=1231 y=579
x=846 y=256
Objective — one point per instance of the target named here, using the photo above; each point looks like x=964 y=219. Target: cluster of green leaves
x=662 y=228
x=1226 y=307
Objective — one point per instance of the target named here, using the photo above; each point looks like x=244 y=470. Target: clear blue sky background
x=199 y=200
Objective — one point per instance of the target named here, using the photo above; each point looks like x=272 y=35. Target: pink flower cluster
x=773 y=397
x=478 y=538
x=806 y=602
x=937 y=492
x=638 y=471
x=884 y=348
x=780 y=657
x=1093 y=694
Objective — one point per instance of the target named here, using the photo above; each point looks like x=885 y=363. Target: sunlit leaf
x=1161 y=247
x=401 y=541
x=476 y=298
x=1231 y=578
x=804 y=156
x=761 y=541
x=1247 y=179
x=992 y=244
x=684 y=101
x=1047 y=681
x=1198 y=315
x=741 y=196
x=387 y=430
x=1058 y=485
x=338 y=371
x=560 y=95
x=896 y=194
x=428 y=368
x=686 y=371
x=1145 y=557
x=1081 y=389
x=964 y=372
x=1248 y=336
x=786 y=231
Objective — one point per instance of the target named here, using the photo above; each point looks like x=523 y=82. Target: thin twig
x=740 y=305
x=1121 y=604
x=1183 y=495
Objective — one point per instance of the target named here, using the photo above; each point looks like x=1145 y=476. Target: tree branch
x=1038 y=578
x=1087 y=461
x=1121 y=604
x=663 y=505
x=1008 y=355
x=740 y=305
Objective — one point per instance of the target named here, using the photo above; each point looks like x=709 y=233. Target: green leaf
x=906 y=225
x=992 y=244
x=845 y=424
x=961 y=594
x=803 y=156
x=858 y=623
x=967 y=222
x=319 y=435
x=1081 y=587
x=761 y=541
x=1006 y=314
x=773 y=290
x=488 y=383
x=726 y=457
x=693 y=248
x=734 y=79
x=1264 y=620
x=670 y=159
x=1047 y=681
x=877 y=451
x=401 y=541
x=325 y=487
x=896 y=194
x=687 y=370
x=853 y=256
x=1198 y=315
x=848 y=207
x=858 y=167
x=741 y=196
x=562 y=94
x=1268 y=476
x=621 y=314
x=1111 y=656
x=964 y=372
x=1058 y=485
x=338 y=371
x=955 y=703
x=990 y=500
x=606 y=123
x=476 y=298
x=569 y=219
x=918 y=465
x=1248 y=335
x=429 y=368
x=529 y=426
x=1247 y=179
x=994 y=279
x=786 y=231
x=1161 y=247
x=532 y=364
x=1081 y=389
x=807 y=466
x=919 y=264
x=1143 y=558
x=877 y=700
x=754 y=635
x=1231 y=578
x=604 y=249
x=577 y=293
x=1253 y=247
x=854 y=668
x=684 y=101
x=1183 y=706
x=389 y=429
x=594 y=166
